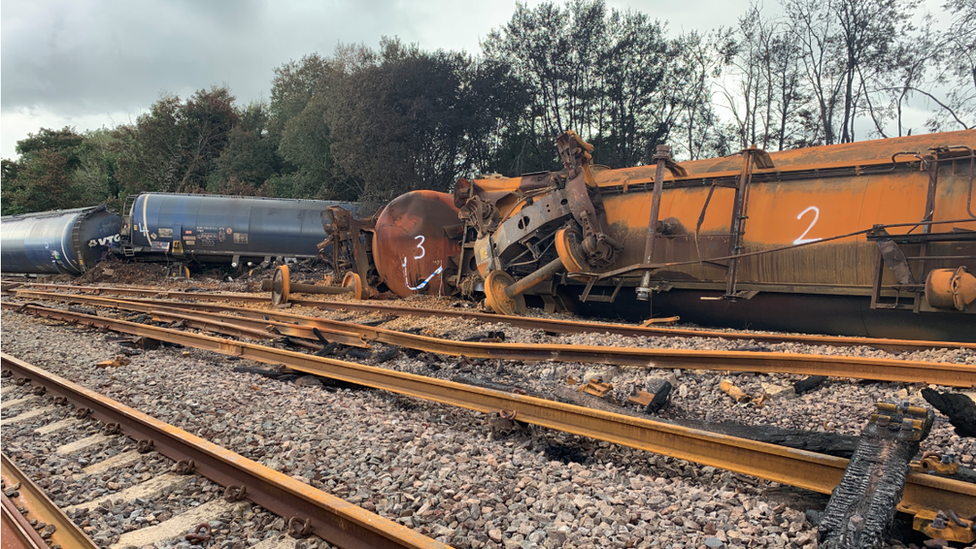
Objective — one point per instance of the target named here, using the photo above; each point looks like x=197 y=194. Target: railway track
x=802 y=469
x=264 y=324
x=309 y=511
x=549 y=325
x=26 y=503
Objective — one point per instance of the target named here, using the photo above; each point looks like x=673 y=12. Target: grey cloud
x=99 y=56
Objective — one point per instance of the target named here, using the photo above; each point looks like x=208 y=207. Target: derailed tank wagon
x=223 y=229
x=874 y=238
x=57 y=242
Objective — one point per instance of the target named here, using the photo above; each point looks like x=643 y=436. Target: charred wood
x=959 y=408
x=862 y=507
x=808 y=384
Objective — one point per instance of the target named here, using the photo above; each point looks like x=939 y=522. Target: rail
x=549 y=325
x=799 y=468
x=37 y=507
x=257 y=327
x=334 y=520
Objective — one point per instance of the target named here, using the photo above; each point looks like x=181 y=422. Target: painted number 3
x=816 y=217
x=420 y=245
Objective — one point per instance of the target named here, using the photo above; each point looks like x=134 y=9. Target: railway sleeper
x=960 y=409
x=862 y=507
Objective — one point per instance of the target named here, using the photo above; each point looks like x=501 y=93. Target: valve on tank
x=947 y=288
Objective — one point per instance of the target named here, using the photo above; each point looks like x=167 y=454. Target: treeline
x=369 y=124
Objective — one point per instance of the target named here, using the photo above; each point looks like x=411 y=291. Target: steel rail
x=253 y=323
x=953 y=375
x=549 y=325
x=334 y=520
x=15 y=530
x=803 y=469
x=39 y=507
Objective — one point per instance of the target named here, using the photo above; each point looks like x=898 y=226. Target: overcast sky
x=94 y=63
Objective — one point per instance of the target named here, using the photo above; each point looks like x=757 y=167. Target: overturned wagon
x=57 y=242
x=223 y=229
x=874 y=239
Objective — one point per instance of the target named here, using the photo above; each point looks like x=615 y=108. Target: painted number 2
x=816 y=217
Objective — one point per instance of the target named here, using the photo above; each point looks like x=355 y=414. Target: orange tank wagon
x=875 y=238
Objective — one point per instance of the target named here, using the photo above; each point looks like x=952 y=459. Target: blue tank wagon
x=223 y=229
x=58 y=242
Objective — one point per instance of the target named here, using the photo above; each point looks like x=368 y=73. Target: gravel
x=445 y=472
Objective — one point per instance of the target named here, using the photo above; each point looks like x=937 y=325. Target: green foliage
x=612 y=76
x=43 y=177
x=175 y=147
x=408 y=119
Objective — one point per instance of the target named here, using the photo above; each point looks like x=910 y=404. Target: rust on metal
x=200 y=534
x=596 y=388
x=235 y=493
x=414 y=243
x=281 y=286
x=736 y=393
x=956 y=375
x=945 y=525
x=113 y=363
x=39 y=508
x=948 y=288
x=935 y=464
x=551 y=325
x=789 y=466
x=641 y=398
x=792 y=223
x=661 y=157
x=862 y=507
x=334 y=520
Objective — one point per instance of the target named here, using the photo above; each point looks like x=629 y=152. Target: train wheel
x=569 y=249
x=179 y=271
x=495 y=286
x=281 y=285
x=354 y=281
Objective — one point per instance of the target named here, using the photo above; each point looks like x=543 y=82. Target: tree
x=404 y=120
x=846 y=47
x=298 y=103
x=956 y=62
x=612 y=76
x=174 y=148
x=632 y=70
x=249 y=158
x=556 y=52
x=42 y=183
x=94 y=177
x=42 y=178
x=763 y=82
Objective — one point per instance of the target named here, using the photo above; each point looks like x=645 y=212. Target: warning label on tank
x=240 y=238
x=190 y=240
x=165 y=233
x=160 y=246
x=207 y=238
